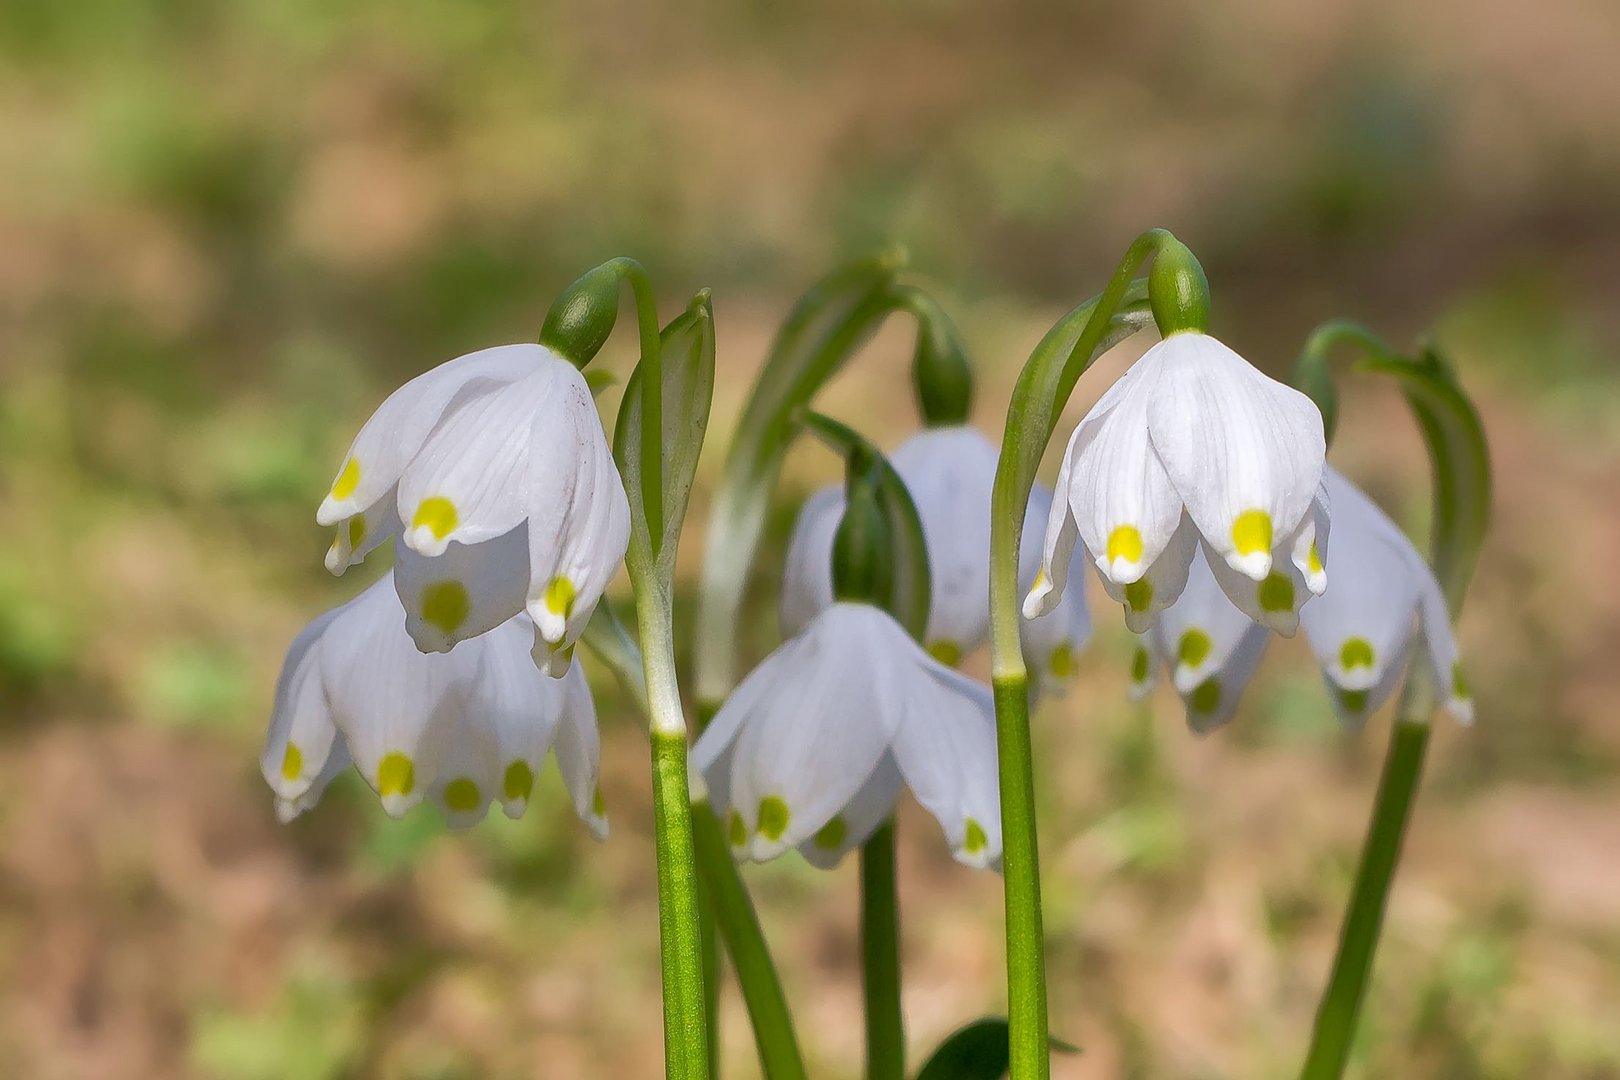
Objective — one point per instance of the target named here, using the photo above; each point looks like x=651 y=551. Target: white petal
x=521 y=705
x=946 y=750
x=1123 y=501
x=468 y=590
x=1214 y=701
x=950 y=472
x=1308 y=547
x=385 y=695
x=807 y=569
x=579 y=752
x=336 y=762
x=301 y=734
x=1352 y=707
x=1056 y=559
x=1244 y=452
x=579 y=519
x=1199 y=632
x=809 y=746
x=467 y=483
x=1052 y=641
x=1360 y=627
x=1276 y=600
x=358 y=535
x=1163 y=582
x=854 y=825
x=396 y=431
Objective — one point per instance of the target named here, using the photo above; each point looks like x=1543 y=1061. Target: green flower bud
x=581 y=319
x=862 y=551
x=941 y=372
x=1177 y=289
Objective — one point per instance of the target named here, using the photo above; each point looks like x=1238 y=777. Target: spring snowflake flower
x=1361 y=629
x=461 y=728
x=812 y=749
x=950 y=472
x=1192 y=445
x=493 y=476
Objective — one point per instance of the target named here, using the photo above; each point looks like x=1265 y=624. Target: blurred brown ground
x=227 y=230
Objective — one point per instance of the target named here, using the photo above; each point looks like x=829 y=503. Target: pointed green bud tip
x=942 y=374
x=1177 y=290
x=861 y=560
x=581 y=319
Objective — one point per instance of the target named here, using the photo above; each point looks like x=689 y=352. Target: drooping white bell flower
x=461 y=728
x=812 y=749
x=950 y=473
x=495 y=476
x=1360 y=628
x=1052 y=641
x=1191 y=443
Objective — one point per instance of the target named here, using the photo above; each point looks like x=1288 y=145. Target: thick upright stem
x=1352 y=966
x=1026 y=954
x=686 y=1052
x=880 y=958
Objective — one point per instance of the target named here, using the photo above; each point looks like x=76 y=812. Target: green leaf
x=687 y=366
x=825 y=328
x=978 y=1051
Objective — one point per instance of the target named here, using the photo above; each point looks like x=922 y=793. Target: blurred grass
x=227 y=230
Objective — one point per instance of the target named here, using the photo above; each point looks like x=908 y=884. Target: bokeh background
x=226 y=230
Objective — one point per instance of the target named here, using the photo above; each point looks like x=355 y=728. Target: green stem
x=713 y=954
x=739 y=926
x=1043 y=389
x=1341 y=1004
x=880 y=958
x=652 y=401
x=1460 y=469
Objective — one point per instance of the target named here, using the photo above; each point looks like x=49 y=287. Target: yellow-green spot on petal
x=518 y=783
x=1206 y=698
x=1040 y=580
x=1141 y=664
x=1353 y=701
x=461 y=795
x=598 y=804
x=975 y=841
x=445 y=604
x=773 y=817
x=1194 y=647
x=1276 y=593
x=347 y=481
x=437 y=514
x=1139 y=594
x=1313 y=559
x=1459 y=685
x=831 y=835
x=1125 y=542
x=1355 y=652
x=396 y=775
x=1061 y=662
x=1251 y=532
x=559 y=596
x=357 y=531
x=736 y=829
x=948 y=653
x=292 y=762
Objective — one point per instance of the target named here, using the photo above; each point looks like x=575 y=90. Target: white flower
x=493 y=473
x=950 y=473
x=1360 y=628
x=462 y=728
x=811 y=750
x=1191 y=443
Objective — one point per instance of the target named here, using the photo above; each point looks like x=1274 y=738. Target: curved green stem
x=1461 y=474
x=652 y=405
x=1043 y=389
x=722 y=884
x=880 y=958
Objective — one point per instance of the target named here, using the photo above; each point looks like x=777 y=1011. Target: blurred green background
x=226 y=230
